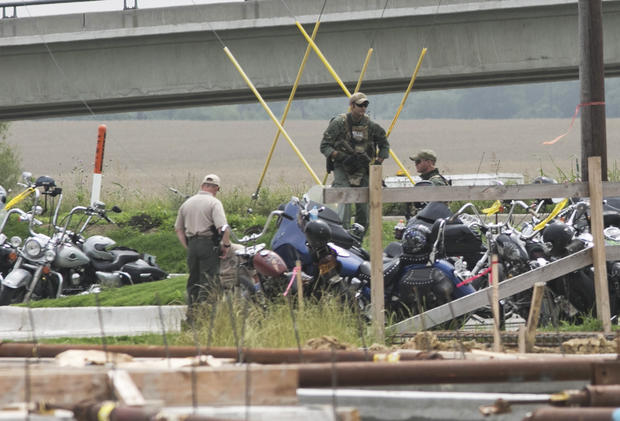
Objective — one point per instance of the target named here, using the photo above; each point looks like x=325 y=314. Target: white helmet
x=97 y=247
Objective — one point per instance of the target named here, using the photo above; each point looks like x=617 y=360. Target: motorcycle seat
x=121 y=257
x=391 y=269
x=394 y=249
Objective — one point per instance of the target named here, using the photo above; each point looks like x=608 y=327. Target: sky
x=101 y=6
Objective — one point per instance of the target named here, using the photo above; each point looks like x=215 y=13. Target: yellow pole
x=363 y=72
x=552 y=215
x=288 y=106
x=406 y=95
x=271 y=115
x=323 y=59
x=400 y=108
x=14 y=201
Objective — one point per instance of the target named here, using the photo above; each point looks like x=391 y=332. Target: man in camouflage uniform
x=351 y=143
x=425 y=166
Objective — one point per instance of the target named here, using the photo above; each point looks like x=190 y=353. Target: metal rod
x=258 y=355
x=446 y=371
x=571 y=414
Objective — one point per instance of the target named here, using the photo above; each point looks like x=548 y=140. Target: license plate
x=327 y=267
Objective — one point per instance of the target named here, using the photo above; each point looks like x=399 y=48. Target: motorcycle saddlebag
x=434 y=211
x=459 y=240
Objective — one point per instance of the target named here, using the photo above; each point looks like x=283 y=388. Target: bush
x=10 y=161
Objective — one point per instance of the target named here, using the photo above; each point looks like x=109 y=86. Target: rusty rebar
x=445 y=371
x=256 y=355
x=572 y=414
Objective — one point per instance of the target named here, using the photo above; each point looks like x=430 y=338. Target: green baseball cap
x=424 y=154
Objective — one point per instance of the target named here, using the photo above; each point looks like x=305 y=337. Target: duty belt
x=200 y=236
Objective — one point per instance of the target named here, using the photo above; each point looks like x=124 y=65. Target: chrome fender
x=109 y=279
x=17 y=278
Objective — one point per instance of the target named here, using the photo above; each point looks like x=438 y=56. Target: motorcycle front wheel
x=11 y=295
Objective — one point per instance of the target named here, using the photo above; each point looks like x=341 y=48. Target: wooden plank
x=468 y=193
x=600 y=266
x=534 y=316
x=268 y=385
x=497 y=338
x=376 y=254
x=507 y=288
x=125 y=389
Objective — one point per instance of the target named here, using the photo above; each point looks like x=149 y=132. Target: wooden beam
x=125 y=389
x=468 y=193
x=529 y=332
x=592 y=84
x=600 y=265
x=497 y=338
x=268 y=385
x=376 y=253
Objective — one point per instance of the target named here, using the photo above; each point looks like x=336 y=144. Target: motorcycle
x=313 y=234
x=261 y=273
x=67 y=263
x=426 y=268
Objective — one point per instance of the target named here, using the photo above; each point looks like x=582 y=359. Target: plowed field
x=149 y=156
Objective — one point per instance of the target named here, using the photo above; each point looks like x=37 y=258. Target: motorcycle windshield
x=289 y=232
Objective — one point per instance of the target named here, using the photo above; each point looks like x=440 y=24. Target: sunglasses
x=417 y=161
x=363 y=104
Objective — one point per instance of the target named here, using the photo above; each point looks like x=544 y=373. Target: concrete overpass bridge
x=143 y=59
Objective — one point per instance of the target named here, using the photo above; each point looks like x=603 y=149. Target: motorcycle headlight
x=32 y=248
x=16 y=241
x=50 y=255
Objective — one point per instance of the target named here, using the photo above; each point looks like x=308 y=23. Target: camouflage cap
x=358 y=98
x=211 y=179
x=424 y=154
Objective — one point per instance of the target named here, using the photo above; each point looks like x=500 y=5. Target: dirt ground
x=149 y=156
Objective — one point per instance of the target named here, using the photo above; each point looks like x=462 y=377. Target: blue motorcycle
x=312 y=233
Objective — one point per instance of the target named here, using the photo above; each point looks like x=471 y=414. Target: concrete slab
x=19 y=323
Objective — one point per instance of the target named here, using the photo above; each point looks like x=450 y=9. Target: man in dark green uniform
x=351 y=143
x=425 y=165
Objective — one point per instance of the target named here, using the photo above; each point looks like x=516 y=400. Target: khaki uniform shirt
x=199 y=213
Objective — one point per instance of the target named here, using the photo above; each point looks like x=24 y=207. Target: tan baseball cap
x=359 y=98
x=424 y=154
x=211 y=179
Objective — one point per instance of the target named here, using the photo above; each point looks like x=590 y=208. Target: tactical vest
x=357 y=135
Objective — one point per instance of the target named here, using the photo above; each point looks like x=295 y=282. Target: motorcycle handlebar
x=480 y=222
x=252 y=237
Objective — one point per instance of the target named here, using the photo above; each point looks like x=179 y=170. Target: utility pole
x=592 y=81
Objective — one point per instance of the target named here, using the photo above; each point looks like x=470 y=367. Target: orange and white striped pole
x=96 y=190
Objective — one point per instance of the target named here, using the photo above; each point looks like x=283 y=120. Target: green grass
x=271 y=327
x=165 y=292
x=275 y=326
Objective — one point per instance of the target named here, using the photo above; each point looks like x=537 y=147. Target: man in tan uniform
x=202 y=229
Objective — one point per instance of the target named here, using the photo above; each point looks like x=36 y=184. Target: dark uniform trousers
x=204 y=265
x=344 y=211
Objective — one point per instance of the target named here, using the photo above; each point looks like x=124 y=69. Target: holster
x=329 y=165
